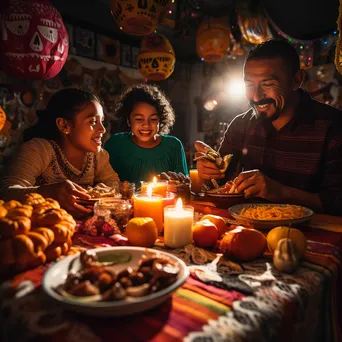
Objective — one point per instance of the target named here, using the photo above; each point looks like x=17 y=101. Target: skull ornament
x=34 y=42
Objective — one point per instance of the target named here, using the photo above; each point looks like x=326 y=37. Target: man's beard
x=262 y=116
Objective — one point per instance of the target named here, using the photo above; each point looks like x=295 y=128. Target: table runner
x=198 y=311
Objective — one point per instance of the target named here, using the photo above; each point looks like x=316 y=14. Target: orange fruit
x=243 y=243
x=218 y=221
x=142 y=231
x=204 y=233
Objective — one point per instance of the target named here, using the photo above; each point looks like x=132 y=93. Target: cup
x=196 y=181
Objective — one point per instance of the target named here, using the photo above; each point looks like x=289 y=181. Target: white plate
x=57 y=274
x=266 y=224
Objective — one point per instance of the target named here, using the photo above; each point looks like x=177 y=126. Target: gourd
x=286 y=258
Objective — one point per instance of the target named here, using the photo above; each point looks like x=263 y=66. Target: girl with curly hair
x=144 y=149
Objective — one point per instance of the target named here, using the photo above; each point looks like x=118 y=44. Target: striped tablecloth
x=260 y=304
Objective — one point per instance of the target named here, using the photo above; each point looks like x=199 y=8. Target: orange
x=243 y=243
x=142 y=231
x=281 y=232
x=204 y=233
x=218 y=221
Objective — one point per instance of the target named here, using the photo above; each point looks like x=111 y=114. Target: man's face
x=268 y=85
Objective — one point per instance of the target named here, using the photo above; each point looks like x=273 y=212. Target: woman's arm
x=20 y=177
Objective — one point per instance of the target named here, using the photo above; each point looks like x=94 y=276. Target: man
x=288 y=146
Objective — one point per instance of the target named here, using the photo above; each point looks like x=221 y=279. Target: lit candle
x=178 y=222
x=158 y=187
x=148 y=205
x=196 y=182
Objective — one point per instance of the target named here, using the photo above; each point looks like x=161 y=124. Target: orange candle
x=196 y=181
x=158 y=187
x=148 y=205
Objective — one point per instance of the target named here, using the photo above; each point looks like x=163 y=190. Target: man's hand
x=255 y=184
x=206 y=169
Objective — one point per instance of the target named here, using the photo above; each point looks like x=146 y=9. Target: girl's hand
x=67 y=193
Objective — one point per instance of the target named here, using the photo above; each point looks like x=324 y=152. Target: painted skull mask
x=34 y=41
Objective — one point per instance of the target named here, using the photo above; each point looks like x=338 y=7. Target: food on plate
x=32 y=233
x=204 y=233
x=101 y=190
x=228 y=188
x=285 y=256
x=273 y=212
x=282 y=232
x=97 y=282
x=243 y=244
x=218 y=221
x=142 y=231
x=177 y=183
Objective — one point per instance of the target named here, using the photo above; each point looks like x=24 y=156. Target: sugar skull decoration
x=156 y=59
x=34 y=43
x=138 y=17
x=212 y=39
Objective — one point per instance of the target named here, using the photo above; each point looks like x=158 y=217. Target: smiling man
x=287 y=147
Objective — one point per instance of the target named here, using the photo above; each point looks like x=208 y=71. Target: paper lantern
x=254 y=29
x=34 y=42
x=156 y=59
x=138 y=17
x=212 y=39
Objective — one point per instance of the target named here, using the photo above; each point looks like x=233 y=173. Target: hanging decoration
x=212 y=39
x=2 y=118
x=254 y=27
x=138 y=17
x=338 y=51
x=156 y=59
x=306 y=53
x=34 y=42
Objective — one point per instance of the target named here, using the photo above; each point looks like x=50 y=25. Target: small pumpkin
x=243 y=243
x=285 y=256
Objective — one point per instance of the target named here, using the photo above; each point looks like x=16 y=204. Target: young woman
x=62 y=153
x=144 y=149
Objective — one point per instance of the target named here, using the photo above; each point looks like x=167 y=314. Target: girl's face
x=144 y=123
x=86 y=131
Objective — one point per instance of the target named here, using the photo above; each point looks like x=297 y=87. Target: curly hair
x=146 y=93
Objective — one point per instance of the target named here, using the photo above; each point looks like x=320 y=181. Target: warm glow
x=155 y=180
x=179 y=205
x=149 y=190
x=210 y=105
x=236 y=88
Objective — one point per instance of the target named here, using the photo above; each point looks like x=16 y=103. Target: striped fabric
x=305 y=154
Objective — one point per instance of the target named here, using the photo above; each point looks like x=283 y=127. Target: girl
x=62 y=152
x=143 y=149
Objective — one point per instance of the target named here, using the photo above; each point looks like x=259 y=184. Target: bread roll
x=24 y=210
x=47 y=233
x=12 y=204
x=62 y=233
x=34 y=199
x=7 y=256
x=11 y=227
x=3 y=211
x=53 y=252
x=39 y=241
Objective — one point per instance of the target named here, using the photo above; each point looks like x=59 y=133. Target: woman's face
x=144 y=122
x=86 y=130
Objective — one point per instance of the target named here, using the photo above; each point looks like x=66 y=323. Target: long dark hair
x=65 y=103
x=146 y=93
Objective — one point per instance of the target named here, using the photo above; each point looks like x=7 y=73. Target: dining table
x=254 y=302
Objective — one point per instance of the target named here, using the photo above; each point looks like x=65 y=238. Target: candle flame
x=179 y=205
x=149 y=190
x=155 y=180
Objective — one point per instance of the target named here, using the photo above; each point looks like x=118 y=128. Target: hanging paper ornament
x=156 y=59
x=34 y=42
x=212 y=39
x=2 y=118
x=138 y=17
x=254 y=27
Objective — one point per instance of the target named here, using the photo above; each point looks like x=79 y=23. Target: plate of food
x=114 y=281
x=226 y=191
x=99 y=191
x=264 y=216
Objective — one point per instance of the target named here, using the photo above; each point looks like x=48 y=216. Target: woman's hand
x=206 y=169
x=67 y=193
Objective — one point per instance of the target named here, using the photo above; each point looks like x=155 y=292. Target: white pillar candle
x=178 y=222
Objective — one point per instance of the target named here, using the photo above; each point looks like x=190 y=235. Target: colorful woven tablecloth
x=259 y=304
